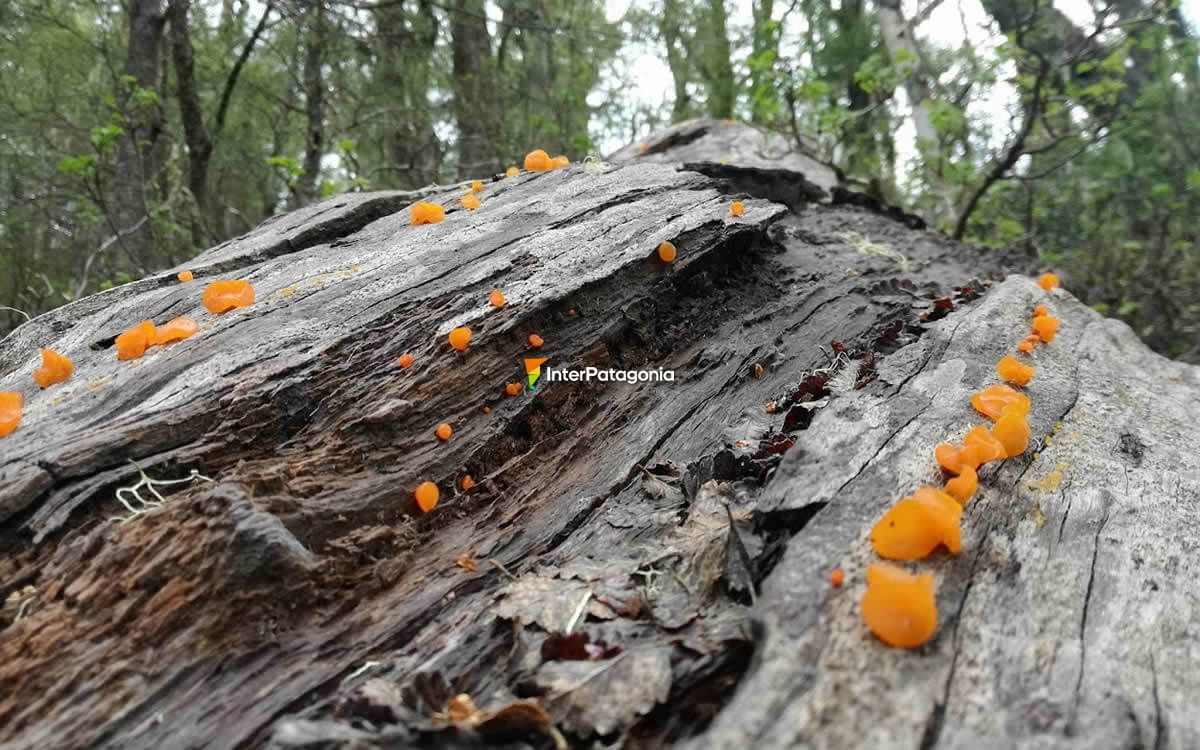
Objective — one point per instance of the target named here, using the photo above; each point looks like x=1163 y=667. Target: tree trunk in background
x=406 y=40
x=138 y=155
x=307 y=188
x=670 y=25
x=715 y=61
x=479 y=124
x=191 y=113
x=764 y=54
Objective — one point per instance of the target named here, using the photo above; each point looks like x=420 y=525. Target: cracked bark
x=287 y=602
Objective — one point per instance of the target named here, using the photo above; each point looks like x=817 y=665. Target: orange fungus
x=512 y=171
x=899 y=608
x=512 y=389
x=55 y=369
x=837 y=578
x=561 y=161
x=916 y=525
x=133 y=343
x=467 y=482
x=476 y=186
x=991 y=401
x=1048 y=281
x=496 y=298
x=1012 y=430
x=184 y=276
x=1025 y=346
x=10 y=412
x=963 y=486
x=538 y=161
x=460 y=337
x=1039 y=310
x=427 y=496
x=738 y=208
x=666 y=252
x=1012 y=371
x=470 y=202
x=443 y=431
x=223 y=296
x=175 y=330
x=1046 y=327
x=405 y=360
x=536 y=341
x=427 y=213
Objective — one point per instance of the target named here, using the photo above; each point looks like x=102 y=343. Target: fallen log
x=644 y=562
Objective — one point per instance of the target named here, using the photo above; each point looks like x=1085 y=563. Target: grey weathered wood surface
x=301 y=600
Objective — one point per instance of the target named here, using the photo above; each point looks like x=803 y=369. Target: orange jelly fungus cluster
x=443 y=432
x=10 y=412
x=427 y=213
x=133 y=343
x=667 y=252
x=738 y=208
x=405 y=361
x=470 y=202
x=512 y=171
x=467 y=482
x=426 y=496
x=55 y=369
x=539 y=161
x=459 y=338
x=477 y=186
x=185 y=276
x=223 y=296
x=496 y=298
x=837 y=577
x=898 y=607
x=178 y=329
x=513 y=389
x=536 y=341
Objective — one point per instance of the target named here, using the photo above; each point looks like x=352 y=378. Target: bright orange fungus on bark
x=666 y=252
x=1046 y=327
x=477 y=186
x=405 y=360
x=1048 y=281
x=467 y=482
x=1039 y=310
x=10 y=412
x=427 y=213
x=470 y=202
x=223 y=296
x=512 y=389
x=1012 y=371
x=427 y=496
x=1012 y=430
x=55 y=369
x=536 y=341
x=184 y=276
x=460 y=337
x=134 y=342
x=963 y=486
x=899 y=608
x=496 y=298
x=175 y=330
x=561 y=161
x=538 y=161
x=1025 y=346
x=443 y=431
x=837 y=578
x=737 y=209
x=991 y=401
x=916 y=525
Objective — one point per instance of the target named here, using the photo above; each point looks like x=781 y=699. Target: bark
x=300 y=599
x=716 y=63
x=191 y=113
x=407 y=38
x=139 y=154
x=764 y=48
x=308 y=184
x=476 y=111
x=671 y=29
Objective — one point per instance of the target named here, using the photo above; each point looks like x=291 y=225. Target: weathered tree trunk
x=308 y=184
x=647 y=561
x=476 y=111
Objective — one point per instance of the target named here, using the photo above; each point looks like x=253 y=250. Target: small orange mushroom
x=983 y=445
x=1046 y=327
x=496 y=298
x=917 y=525
x=512 y=389
x=405 y=361
x=512 y=171
x=177 y=329
x=10 y=412
x=561 y=161
x=1012 y=371
x=467 y=482
x=643 y=148
x=1025 y=347
x=460 y=337
x=1012 y=430
x=443 y=432
x=899 y=608
x=963 y=486
x=538 y=161
x=133 y=343
x=1048 y=281
x=737 y=208
x=223 y=296
x=486 y=409
x=991 y=401
x=185 y=276
x=427 y=213
x=536 y=341
x=55 y=369
x=666 y=252
x=426 y=495
x=470 y=202
x=477 y=186
x=837 y=578
x=1039 y=310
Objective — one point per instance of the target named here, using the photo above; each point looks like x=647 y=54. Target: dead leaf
x=577 y=646
x=603 y=697
x=551 y=603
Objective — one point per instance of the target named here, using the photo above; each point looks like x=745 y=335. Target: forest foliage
x=135 y=133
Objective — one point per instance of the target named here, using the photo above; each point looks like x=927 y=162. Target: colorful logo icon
x=534 y=369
